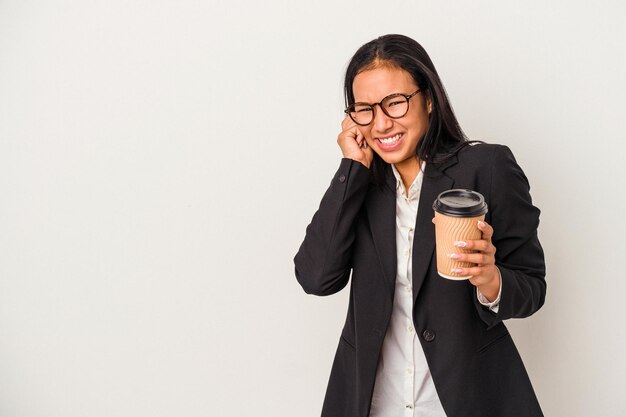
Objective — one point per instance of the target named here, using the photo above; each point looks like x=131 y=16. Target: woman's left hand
x=485 y=275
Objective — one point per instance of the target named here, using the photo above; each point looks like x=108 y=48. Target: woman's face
x=372 y=86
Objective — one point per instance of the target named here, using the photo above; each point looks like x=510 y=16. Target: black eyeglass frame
x=406 y=96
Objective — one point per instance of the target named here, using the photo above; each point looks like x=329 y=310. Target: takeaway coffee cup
x=457 y=213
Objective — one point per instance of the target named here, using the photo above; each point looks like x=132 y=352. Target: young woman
x=414 y=343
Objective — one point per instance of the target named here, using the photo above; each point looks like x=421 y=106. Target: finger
x=475 y=271
x=480 y=245
x=477 y=258
x=359 y=138
x=349 y=134
x=347 y=123
x=487 y=274
x=478 y=280
x=486 y=229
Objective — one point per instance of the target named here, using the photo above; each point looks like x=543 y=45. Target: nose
x=381 y=122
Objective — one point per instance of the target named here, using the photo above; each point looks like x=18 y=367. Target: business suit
x=472 y=358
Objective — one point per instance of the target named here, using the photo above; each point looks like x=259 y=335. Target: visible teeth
x=391 y=139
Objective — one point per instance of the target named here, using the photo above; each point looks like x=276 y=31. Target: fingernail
x=460 y=244
x=457 y=270
x=481 y=223
x=454 y=255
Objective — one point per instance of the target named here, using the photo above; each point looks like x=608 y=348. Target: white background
x=159 y=162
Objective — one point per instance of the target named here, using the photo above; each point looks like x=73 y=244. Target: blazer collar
x=382 y=219
x=436 y=168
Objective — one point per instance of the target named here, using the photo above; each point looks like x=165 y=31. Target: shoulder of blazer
x=472 y=155
x=479 y=151
x=478 y=156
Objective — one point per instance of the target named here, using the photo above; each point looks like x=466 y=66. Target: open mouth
x=391 y=143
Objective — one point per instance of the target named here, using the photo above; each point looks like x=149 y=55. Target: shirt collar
x=397 y=175
x=416 y=181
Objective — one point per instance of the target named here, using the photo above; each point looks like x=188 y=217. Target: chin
x=392 y=159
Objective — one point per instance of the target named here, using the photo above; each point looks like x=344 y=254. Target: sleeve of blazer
x=323 y=262
x=519 y=255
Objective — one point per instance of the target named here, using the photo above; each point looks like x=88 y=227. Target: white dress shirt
x=404 y=386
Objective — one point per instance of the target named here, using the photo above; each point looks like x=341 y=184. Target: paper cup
x=457 y=213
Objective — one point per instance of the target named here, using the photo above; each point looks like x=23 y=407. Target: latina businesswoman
x=414 y=343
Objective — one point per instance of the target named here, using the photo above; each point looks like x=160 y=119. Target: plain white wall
x=159 y=162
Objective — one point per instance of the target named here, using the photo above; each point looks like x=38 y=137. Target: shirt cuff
x=493 y=305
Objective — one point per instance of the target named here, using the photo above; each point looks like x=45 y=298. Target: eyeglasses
x=394 y=106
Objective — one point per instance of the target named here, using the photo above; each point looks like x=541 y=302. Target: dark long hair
x=444 y=137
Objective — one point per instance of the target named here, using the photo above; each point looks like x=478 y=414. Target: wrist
x=491 y=289
x=363 y=163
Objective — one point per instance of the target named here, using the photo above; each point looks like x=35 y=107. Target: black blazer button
x=429 y=335
x=342 y=178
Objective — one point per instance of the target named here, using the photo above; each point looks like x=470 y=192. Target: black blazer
x=474 y=363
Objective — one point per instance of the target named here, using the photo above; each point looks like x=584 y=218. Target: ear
x=430 y=106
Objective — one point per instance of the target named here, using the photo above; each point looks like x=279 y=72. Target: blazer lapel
x=434 y=182
x=381 y=213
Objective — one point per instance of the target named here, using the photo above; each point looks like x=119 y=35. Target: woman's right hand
x=352 y=143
